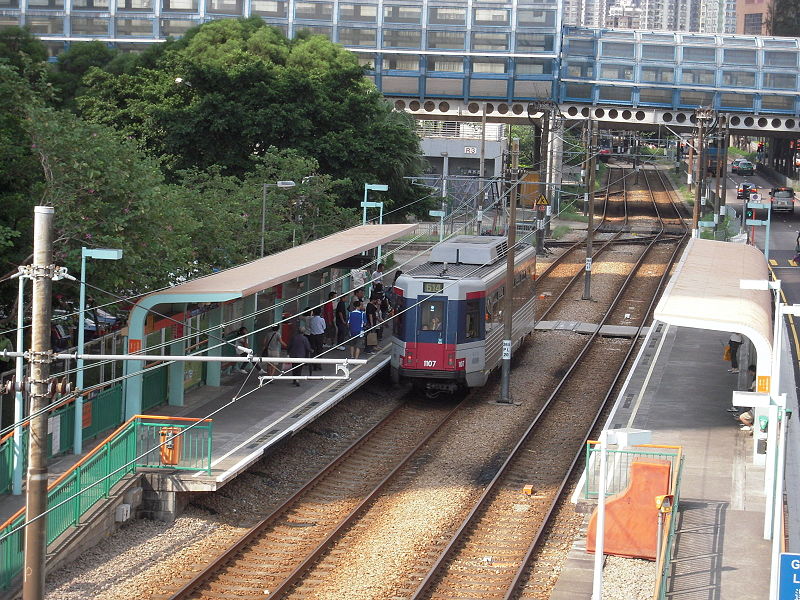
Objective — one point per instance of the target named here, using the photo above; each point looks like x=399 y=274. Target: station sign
x=789 y=577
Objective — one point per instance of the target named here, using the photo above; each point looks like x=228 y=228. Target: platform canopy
x=705 y=293
x=272 y=270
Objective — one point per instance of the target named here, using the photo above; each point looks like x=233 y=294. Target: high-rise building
x=751 y=16
x=709 y=16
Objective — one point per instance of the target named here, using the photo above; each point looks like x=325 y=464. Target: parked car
x=745 y=189
x=735 y=164
x=782 y=199
x=745 y=167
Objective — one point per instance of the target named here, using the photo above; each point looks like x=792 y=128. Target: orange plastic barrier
x=170 y=445
x=631 y=516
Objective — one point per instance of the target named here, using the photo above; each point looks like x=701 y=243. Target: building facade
x=752 y=16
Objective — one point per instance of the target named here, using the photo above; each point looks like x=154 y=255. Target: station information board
x=789 y=577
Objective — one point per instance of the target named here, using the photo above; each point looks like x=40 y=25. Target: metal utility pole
x=690 y=165
x=587 y=142
x=718 y=183
x=725 y=138
x=703 y=115
x=36 y=493
x=587 y=282
x=508 y=299
x=543 y=177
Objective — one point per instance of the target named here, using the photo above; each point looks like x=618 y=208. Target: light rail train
x=448 y=335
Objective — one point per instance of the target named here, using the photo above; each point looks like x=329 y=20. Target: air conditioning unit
x=122 y=513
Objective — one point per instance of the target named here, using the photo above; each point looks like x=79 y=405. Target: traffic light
x=750 y=213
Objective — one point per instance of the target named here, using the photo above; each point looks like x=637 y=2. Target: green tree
x=73 y=64
x=20 y=179
x=21 y=48
x=783 y=18
x=107 y=193
x=248 y=89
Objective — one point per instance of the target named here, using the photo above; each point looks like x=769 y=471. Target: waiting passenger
x=299 y=347
x=273 y=347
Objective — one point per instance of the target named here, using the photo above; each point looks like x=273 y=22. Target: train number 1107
x=428 y=363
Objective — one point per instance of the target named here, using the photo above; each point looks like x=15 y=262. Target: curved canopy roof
x=705 y=293
x=272 y=270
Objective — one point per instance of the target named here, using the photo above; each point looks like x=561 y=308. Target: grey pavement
x=680 y=390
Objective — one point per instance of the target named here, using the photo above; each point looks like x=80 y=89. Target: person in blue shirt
x=355 y=323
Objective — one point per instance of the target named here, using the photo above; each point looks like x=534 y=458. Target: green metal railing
x=144 y=441
x=619 y=462
x=668 y=545
x=617 y=479
x=105 y=411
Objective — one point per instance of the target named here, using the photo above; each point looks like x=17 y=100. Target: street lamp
x=97 y=254
x=284 y=185
x=377 y=187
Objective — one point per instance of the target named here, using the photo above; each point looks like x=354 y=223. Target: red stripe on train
x=436 y=357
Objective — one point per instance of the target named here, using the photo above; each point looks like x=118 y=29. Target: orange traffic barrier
x=631 y=527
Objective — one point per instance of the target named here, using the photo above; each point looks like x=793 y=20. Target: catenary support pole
x=19 y=400
x=264 y=216
x=508 y=298
x=36 y=493
x=725 y=140
x=77 y=444
x=587 y=282
x=718 y=181
x=539 y=211
x=698 y=189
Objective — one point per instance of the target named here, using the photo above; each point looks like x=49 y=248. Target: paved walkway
x=680 y=390
x=245 y=429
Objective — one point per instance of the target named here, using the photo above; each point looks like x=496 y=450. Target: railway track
x=270 y=555
x=556 y=540
x=286 y=553
x=489 y=554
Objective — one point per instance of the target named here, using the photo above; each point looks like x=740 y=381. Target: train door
x=431 y=333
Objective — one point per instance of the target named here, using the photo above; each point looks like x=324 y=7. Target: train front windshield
x=431 y=315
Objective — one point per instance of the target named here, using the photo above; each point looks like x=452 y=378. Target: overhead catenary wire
x=239 y=395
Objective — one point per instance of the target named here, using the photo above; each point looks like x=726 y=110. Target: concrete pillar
x=176 y=369
x=215 y=335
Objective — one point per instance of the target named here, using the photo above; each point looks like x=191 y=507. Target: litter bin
x=170 y=448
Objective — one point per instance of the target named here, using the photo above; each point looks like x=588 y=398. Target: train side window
x=431 y=314
x=472 y=326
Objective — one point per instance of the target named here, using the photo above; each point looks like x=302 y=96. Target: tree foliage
x=249 y=88
x=783 y=18
x=174 y=174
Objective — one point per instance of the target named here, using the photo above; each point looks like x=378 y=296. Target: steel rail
x=493 y=487
x=255 y=532
x=615 y=237
x=513 y=586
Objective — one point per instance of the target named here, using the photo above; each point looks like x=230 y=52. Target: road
x=783 y=234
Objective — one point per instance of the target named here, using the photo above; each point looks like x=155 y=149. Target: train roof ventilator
x=470 y=250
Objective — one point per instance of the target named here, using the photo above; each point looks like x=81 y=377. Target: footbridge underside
x=618 y=117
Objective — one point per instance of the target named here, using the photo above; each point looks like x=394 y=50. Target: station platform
x=244 y=430
x=680 y=389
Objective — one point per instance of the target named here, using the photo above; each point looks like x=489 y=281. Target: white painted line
x=256 y=454
x=647 y=377
x=283 y=417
